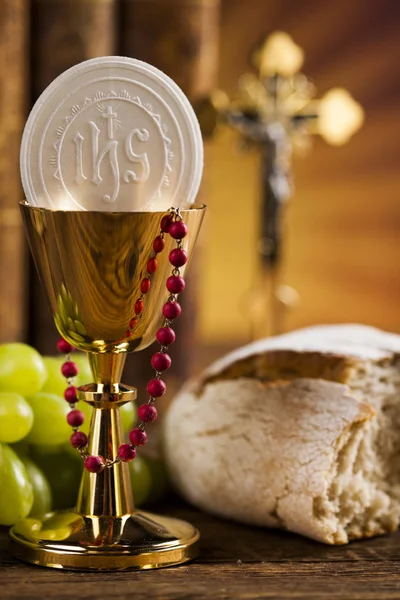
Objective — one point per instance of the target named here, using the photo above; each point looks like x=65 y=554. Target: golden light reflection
x=339 y=117
x=279 y=55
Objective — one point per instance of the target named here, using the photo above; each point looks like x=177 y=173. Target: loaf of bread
x=300 y=432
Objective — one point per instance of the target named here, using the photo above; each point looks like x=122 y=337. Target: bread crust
x=328 y=351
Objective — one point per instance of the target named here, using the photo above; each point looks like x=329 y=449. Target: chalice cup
x=91 y=265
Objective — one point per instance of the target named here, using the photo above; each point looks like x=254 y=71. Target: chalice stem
x=108 y=493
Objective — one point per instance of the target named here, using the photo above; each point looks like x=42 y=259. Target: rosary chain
x=127 y=452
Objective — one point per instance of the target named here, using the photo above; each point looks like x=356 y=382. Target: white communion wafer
x=112 y=134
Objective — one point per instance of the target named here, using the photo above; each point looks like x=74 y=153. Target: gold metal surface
x=91 y=265
x=68 y=540
x=109 y=492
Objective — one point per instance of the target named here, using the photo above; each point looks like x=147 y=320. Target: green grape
x=55 y=382
x=55 y=526
x=85 y=374
x=41 y=490
x=49 y=425
x=16 y=499
x=159 y=479
x=63 y=471
x=22 y=369
x=16 y=417
x=140 y=479
x=61 y=525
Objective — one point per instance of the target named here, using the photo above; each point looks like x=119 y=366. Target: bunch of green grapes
x=39 y=470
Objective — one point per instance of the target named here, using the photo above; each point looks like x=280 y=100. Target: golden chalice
x=91 y=265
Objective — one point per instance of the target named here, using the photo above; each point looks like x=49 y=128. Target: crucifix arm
x=251 y=128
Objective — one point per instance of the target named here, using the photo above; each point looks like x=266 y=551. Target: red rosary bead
x=178 y=257
x=126 y=453
x=78 y=439
x=175 y=284
x=133 y=322
x=75 y=418
x=156 y=388
x=70 y=394
x=171 y=310
x=138 y=437
x=145 y=285
x=178 y=230
x=166 y=223
x=158 y=244
x=147 y=413
x=139 y=305
x=69 y=369
x=152 y=265
x=64 y=347
x=160 y=361
x=165 y=336
x=94 y=464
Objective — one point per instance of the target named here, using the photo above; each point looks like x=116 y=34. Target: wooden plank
x=196 y=581
x=236 y=562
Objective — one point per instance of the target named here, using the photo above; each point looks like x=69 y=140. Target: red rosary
x=173 y=225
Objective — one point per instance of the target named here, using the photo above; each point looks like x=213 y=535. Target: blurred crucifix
x=275 y=111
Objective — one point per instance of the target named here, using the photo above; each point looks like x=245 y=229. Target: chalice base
x=68 y=540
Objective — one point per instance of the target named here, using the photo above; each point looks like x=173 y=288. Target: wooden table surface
x=236 y=562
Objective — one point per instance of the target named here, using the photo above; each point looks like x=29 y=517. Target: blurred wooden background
x=343 y=223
